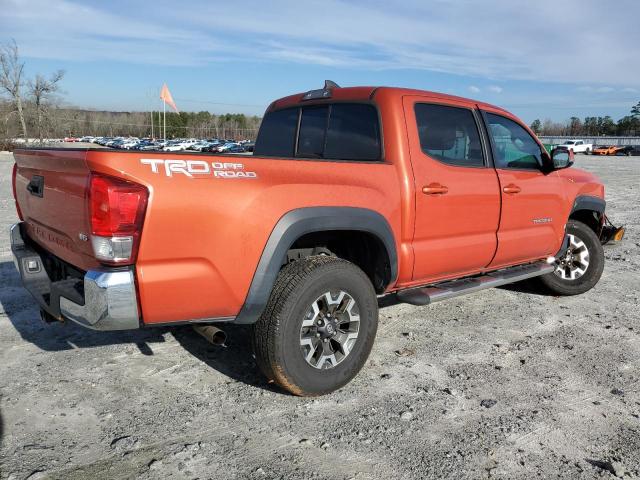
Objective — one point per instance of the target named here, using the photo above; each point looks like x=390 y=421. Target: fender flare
x=589 y=202
x=302 y=221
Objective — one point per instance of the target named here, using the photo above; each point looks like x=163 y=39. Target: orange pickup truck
x=351 y=195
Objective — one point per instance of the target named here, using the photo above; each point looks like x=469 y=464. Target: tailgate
x=51 y=193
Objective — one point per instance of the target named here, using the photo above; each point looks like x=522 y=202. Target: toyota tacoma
x=351 y=196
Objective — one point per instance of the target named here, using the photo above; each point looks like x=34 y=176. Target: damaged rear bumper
x=102 y=300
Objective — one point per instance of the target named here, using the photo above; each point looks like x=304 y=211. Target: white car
x=578 y=146
x=173 y=147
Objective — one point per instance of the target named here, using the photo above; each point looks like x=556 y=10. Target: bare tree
x=11 y=69
x=41 y=90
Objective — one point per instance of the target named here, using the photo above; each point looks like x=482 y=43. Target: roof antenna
x=330 y=84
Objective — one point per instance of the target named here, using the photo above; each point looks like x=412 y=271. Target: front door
x=531 y=223
x=457 y=204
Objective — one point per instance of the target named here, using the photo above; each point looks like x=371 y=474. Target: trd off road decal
x=198 y=168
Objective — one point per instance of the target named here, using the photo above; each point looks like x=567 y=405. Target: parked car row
x=213 y=145
x=580 y=146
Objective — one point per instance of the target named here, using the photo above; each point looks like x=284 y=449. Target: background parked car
x=613 y=150
x=578 y=146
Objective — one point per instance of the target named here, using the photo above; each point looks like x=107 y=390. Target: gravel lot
x=505 y=383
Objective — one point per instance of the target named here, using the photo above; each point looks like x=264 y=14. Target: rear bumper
x=102 y=300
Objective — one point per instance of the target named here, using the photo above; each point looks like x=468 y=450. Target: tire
x=587 y=151
x=571 y=277
x=289 y=345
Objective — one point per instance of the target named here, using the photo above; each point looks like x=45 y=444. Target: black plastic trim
x=588 y=202
x=199 y=321
x=302 y=221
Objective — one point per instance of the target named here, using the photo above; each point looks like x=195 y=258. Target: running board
x=456 y=288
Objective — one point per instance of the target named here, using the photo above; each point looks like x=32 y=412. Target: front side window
x=513 y=146
x=449 y=134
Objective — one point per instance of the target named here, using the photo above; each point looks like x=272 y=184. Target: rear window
x=313 y=130
x=353 y=133
x=277 y=134
x=345 y=131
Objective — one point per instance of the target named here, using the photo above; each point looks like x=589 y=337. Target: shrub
x=7 y=145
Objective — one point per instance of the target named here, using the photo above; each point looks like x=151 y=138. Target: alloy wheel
x=329 y=329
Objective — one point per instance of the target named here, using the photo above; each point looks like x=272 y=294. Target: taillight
x=14 y=174
x=117 y=209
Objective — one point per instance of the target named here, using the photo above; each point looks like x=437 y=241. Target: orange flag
x=166 y=97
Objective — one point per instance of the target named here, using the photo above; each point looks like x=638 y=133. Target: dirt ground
x=506 y=383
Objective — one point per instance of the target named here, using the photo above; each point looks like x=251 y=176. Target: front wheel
x=580 y=268
x=318 y=327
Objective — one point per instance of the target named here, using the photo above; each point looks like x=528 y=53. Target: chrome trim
x=109 y=302
x=17 y=242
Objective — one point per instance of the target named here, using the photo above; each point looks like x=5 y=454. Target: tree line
x=629 y=125
x=32 y=108
x=61 y=122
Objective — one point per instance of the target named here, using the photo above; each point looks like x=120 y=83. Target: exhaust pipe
x=213 y=334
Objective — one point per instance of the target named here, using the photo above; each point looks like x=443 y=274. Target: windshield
x=569 y=143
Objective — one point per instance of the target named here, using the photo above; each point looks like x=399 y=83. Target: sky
x=544 y=59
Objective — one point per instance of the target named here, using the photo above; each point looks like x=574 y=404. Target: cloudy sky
x=542 y=59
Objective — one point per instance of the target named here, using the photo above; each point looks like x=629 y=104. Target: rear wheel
x=580 y=268
x=319 y=326
x=587 y=151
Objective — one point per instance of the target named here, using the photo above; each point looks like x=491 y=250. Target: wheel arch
x=589 y=210
x=297 y=224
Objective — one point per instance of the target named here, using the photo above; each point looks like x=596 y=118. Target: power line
x=209 y=102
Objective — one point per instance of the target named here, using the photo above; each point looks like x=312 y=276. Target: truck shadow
x=235 y=360
x=527 y=286
x=22 y=312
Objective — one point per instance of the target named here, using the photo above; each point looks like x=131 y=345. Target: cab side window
x=449 y=134
x=513 y=146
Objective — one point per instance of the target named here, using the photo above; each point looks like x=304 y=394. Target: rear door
x=457 y=204
x=51 y=192
x=531 y=223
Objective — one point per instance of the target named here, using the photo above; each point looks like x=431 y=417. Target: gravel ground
x=505 y=383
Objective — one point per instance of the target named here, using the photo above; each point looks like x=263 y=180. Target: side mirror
x=561 y=158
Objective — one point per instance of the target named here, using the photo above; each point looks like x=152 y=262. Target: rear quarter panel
x=203 y=236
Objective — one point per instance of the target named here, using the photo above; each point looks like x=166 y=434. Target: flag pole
x=152 y=137
x=164 y=114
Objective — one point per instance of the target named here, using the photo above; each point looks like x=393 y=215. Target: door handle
x=434 y=189
x=511 y=188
